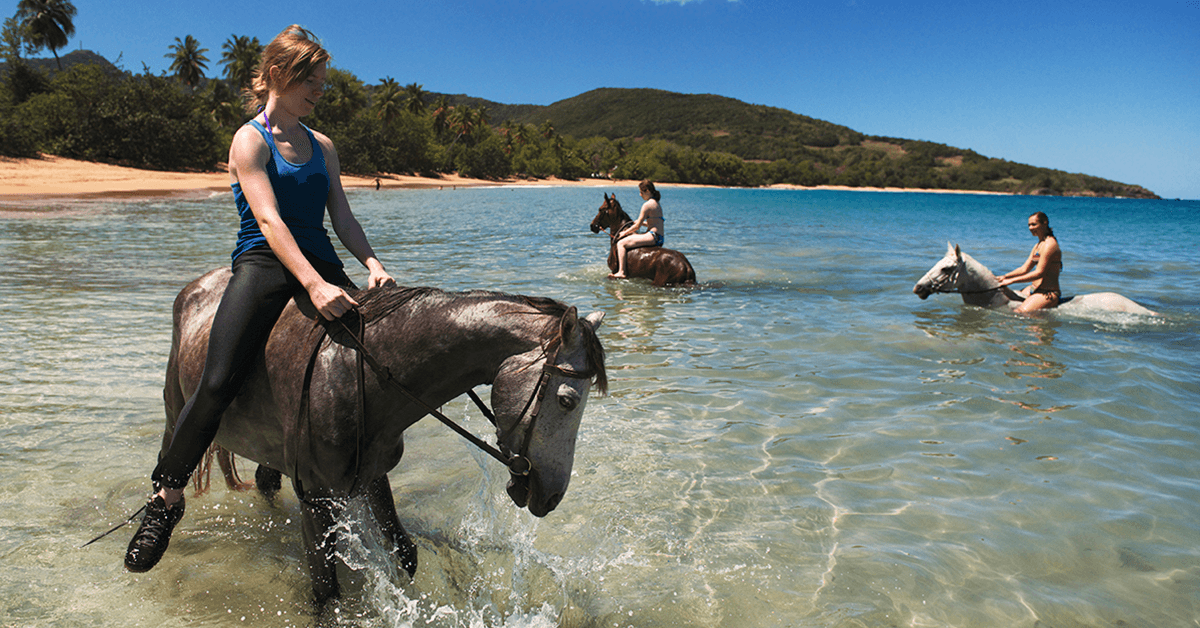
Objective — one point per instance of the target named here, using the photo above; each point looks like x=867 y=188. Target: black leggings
x=260 y=288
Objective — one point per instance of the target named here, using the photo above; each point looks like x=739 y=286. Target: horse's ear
x=949 y=248
x=957 y=252
x=570 y=321
x=594 y=319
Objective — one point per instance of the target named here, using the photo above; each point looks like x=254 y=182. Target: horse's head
x=610 y=216
x=944 y=276
x=539 y=397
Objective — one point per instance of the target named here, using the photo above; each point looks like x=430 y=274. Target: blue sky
x=1110 y=89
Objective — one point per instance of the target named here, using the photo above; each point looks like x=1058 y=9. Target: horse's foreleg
x=379 y=495
x=320 y=547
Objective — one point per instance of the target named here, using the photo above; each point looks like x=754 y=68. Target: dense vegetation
x=95 y=111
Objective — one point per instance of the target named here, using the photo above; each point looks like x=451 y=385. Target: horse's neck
x=454 y=345
x=620 y=220
x=979 y=286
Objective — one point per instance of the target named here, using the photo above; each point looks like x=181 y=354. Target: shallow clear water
x=799 y=441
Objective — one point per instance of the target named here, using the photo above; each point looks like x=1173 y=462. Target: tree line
x=183 y=119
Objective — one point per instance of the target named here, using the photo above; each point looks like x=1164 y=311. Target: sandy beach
x=51 y=182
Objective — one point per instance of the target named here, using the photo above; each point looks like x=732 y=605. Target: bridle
x=938 y=286
x=610 y=209
x=518 y=463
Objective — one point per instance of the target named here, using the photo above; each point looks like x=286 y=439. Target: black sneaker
x=151 y=540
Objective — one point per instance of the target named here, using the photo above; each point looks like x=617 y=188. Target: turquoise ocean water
x=798 y=441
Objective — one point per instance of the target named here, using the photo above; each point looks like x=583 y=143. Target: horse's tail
x=202 y=478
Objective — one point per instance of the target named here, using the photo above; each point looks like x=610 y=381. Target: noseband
x=939 y=285
x=518 y=464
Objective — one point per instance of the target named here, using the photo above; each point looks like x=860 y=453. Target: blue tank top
x=300 y=191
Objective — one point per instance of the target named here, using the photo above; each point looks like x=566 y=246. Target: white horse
x=960 y=273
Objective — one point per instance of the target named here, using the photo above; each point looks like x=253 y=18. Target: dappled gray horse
x=330 y=413
x=959 y=273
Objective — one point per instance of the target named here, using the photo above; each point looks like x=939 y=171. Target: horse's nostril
x=553 y=501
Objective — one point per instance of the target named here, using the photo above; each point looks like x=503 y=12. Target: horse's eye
x=568 y=397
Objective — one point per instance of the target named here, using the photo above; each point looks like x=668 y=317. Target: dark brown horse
x=311 y=410
x=665 y=267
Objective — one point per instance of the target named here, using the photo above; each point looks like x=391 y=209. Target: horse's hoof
x=268 y=481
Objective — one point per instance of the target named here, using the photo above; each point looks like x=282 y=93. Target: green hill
x=792 y=147
x=702 y=120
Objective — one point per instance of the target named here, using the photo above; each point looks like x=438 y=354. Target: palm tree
x=462 y=121
x=521 y=134
x=47 y=24
x=507 y=130
x=240 y=59
x=344 y=97
x=441 y=115
x=388 y=99
x=415 y=98
x=188 y=61
x=225 y=104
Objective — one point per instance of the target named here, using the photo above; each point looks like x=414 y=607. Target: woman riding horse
x=1044 y=292
x=284 y=176
x=663 y=266
x=651 y=217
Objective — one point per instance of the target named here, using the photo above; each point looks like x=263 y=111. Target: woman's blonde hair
x=296 y=53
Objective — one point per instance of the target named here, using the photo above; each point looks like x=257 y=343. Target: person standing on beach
x=284 y=177
x=1042 y=268
x=651 y=217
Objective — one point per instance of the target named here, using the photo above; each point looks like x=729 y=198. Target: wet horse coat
x=309 y=410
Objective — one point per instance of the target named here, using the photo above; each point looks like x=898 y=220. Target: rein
x=518 y=464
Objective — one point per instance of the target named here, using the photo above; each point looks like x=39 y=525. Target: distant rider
x=651 y=217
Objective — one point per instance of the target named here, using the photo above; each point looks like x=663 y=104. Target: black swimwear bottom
x=258 y=291
x=1054 y=295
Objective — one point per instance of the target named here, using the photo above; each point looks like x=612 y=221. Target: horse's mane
x=379 y=302
x=619 y=210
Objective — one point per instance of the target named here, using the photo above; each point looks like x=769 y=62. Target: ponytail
x=648 y=186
